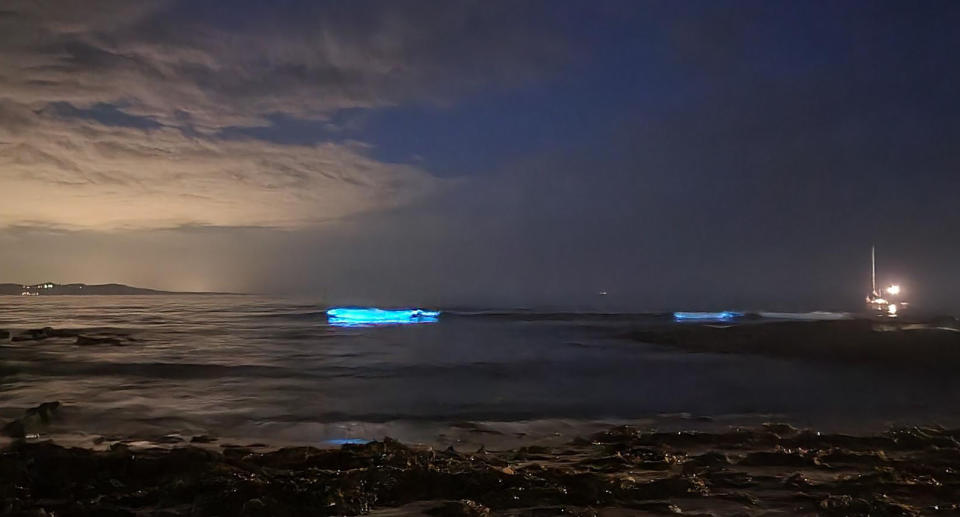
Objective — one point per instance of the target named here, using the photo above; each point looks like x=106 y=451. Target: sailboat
x=888 y=304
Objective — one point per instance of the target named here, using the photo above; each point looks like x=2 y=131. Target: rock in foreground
x=620 y=472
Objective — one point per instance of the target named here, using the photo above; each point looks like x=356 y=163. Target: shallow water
x=272 y=370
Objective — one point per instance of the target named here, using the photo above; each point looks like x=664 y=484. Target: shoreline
x=620 y=471
x=699 y=464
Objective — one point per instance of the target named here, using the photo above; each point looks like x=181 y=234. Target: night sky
x=694 y=154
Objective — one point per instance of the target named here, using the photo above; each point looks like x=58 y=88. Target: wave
x=807 y=316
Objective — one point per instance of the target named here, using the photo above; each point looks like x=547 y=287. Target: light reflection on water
x=274 y=369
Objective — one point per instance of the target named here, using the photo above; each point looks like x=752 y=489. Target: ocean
x=252 y=369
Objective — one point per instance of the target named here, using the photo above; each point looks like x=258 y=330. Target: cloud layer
x=113 y=112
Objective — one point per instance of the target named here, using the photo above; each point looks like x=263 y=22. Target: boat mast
x=873 y=268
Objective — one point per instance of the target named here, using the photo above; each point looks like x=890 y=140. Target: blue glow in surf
x=348 y=441
x=706 y=316
x=357 y=316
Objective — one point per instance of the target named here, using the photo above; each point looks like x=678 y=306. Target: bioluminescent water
x=706 y=316
x=361 y=316
x=249 y=369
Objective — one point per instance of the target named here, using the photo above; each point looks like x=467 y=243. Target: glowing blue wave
x=356 y=316
x=706 y=316
x=348 y=441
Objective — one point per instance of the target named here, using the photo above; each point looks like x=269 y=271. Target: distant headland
x=52 y=289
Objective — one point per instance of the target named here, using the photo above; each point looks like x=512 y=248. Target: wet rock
x=744 y=498
x=677 y=486
x=14 y=429
x=92 y=340
x=262 y=507
x=615 y=463
x=708 y=459
x=798 y=481
x=781 y=429
x=43 y=333
x=844 y=457
x=43 y=412
x=39 y=415
x=462 y=508
x=845 y=505
x=572 y=479
x=730 y=479
x=921 y=437
x=664 y=507
x=782 y=458
x=34 y=334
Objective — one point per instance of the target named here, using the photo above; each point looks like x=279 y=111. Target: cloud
x=81 y=174
x=113 y=112
x=230 y=66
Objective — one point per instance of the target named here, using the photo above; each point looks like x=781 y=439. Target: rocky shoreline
x=772 y=469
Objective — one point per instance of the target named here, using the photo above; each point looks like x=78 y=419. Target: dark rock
x=43 y=411
x=921 y=437
x=40 y=414
x=844 y=457
x=463 y=508
x=798 y=481
x=90 y=340
x=708 y=459
x=4 y=334
x=14 y=429
x=664 y=507
x=584 y=479
x=203 y=439
x=745 y=498
x=730 y=479
x=779 y=459
x=33 y=334
x=781 y=429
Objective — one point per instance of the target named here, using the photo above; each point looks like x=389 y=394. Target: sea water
x=272 y=370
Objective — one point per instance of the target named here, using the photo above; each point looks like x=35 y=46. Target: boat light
x=893 y=290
